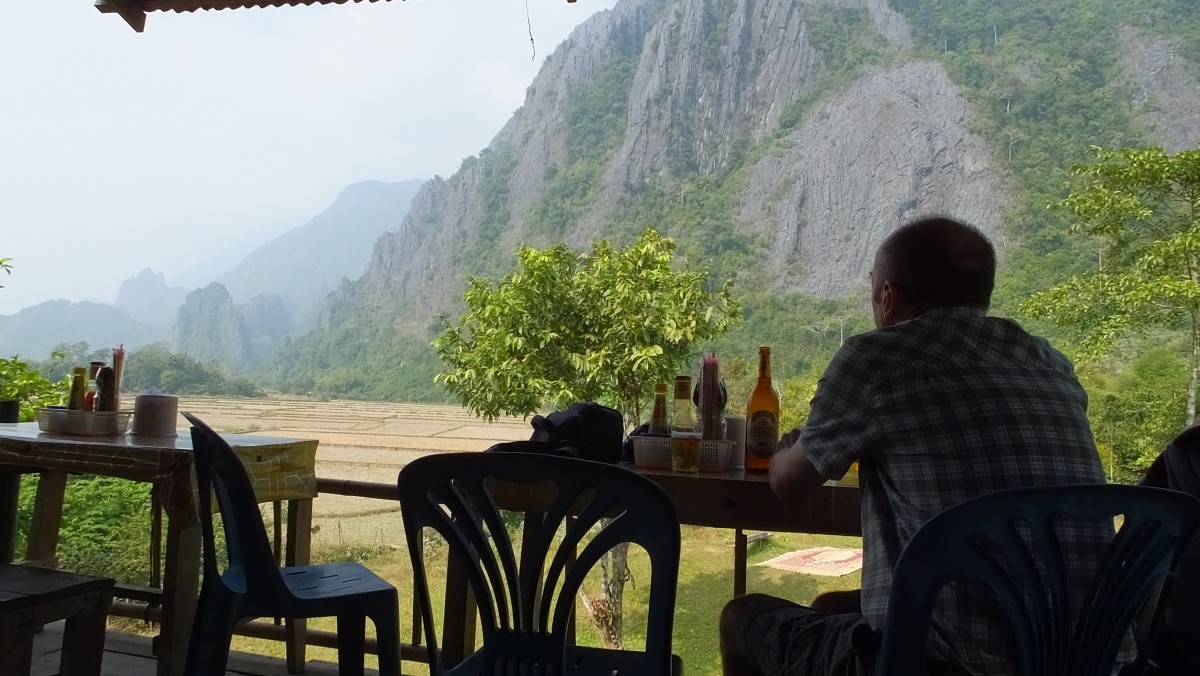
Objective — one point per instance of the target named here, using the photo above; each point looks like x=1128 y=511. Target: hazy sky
x=121 y=151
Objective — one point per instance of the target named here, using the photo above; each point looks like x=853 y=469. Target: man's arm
x=792 y=473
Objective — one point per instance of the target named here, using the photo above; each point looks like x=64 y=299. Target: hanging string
x=529 y=25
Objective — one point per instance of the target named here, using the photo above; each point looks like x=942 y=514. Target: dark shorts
x=785 y=639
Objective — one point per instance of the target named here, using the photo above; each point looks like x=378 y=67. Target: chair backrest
x=575 y=511
x=219 y=471
x=1008 y=541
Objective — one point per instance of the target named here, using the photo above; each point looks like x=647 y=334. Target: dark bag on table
x=585 y=430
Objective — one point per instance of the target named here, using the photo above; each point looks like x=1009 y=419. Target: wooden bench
x=31 y=597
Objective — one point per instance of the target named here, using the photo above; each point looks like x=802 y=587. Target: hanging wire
x=529 y=25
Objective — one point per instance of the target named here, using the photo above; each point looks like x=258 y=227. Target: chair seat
x=316 y=591
x=332 y=579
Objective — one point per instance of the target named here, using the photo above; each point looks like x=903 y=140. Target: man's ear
x=887 y=303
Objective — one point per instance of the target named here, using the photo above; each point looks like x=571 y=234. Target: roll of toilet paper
x=155 y=414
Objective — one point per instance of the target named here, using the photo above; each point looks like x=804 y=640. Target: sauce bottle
x=762 y=417
x=89 y=400
x=78 y=398
x=106 y=389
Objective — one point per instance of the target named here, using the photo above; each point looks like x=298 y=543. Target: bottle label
x=762 y=433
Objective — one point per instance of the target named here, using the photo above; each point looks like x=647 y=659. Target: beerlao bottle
x=762 y=417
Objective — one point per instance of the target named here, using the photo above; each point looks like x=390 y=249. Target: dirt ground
x=363 y=441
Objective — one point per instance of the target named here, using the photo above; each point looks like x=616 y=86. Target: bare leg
x=839 y=602
x=734 y=660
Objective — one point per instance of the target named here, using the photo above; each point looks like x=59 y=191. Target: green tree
x=20 y=382
x=570 y=326
x=573 y=326
x=6 y=266
x=1143 y=207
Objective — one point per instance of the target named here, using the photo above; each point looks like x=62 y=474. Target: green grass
x=705 y=584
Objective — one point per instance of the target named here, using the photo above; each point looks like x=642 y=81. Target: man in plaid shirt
x=940 y=404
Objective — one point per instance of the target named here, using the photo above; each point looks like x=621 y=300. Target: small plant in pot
x=27 y=388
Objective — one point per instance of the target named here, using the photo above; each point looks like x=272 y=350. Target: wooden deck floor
x=129 y=655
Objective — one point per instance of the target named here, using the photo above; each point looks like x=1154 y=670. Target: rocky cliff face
x=705 y=78
x=1165 y=95
x=830 y=160
x=892 y=146
x=210 y=328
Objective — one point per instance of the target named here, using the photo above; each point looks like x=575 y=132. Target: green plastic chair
x=573 y=512
x=253 y=585
x=999 y=538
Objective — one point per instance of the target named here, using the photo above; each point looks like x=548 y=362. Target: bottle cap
x=79 y=371
x=660 y=388
x=683 y=387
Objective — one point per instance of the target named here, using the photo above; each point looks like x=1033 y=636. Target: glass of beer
x=685 y=452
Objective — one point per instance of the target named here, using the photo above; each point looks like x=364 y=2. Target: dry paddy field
x=363 y=441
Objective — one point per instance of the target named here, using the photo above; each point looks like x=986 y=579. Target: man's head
x=929 y=263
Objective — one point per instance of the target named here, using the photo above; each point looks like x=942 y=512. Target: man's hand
x=788 y=440
x=792 y=473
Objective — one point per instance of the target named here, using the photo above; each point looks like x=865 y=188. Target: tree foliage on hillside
x=155 y=366
x=569 y=326
x=1143 y=206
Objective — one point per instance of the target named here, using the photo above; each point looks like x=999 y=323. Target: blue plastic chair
x=999 y=538
x=253 y=585
x=574 y=511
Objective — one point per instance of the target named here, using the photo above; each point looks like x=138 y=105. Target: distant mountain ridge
x=304 y=264
x=147 y=298
x=35 y=331
x=272 y=294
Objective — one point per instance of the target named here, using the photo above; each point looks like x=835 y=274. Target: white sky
x=121 y=151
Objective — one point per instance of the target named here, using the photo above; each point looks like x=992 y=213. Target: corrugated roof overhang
x=134 y=11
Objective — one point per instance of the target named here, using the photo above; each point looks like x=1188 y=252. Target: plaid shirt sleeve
x=840 y=426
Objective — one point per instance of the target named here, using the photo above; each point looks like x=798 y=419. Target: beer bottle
x=762 y=417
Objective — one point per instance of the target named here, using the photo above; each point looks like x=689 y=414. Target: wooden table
x=280 y=469
x=743 y=501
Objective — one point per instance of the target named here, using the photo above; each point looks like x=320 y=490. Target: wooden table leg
x=740 y=546
x=299 y=550
x=10 y=490
x=181 y=582
x=47 y=516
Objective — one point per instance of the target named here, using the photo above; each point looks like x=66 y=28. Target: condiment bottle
x=660 y=425
x=762 y=417
x=89 y=400
x=685 y=435
x=106 y=389
x=78 y=397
